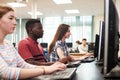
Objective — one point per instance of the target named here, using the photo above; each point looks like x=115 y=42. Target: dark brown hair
x=84 y=39
x=78 y=41
x=61 y=31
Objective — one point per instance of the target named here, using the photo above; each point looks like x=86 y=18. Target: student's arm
x=60 y=53
x=22 y=70
x=71 y=58
x=41 y=70
x=63 y=58
x=32 y=61
x=14 y=73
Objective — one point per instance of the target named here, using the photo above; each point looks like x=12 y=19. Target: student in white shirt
x=83 y=48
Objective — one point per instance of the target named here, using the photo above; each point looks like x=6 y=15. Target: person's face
x=68 y=33
x=37 y=30
x=8 y=23
x=84 y=42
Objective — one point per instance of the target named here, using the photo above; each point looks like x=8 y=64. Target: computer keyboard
x=60 y=75
x=88 y=59
x=73 y=64
x=64 y=74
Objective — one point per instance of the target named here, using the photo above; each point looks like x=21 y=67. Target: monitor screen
x=91 y=47
x=69 y=45
x=99 y=43
x=111 y=45
x=96 y=46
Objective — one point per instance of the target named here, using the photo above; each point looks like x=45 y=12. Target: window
x=81 y=27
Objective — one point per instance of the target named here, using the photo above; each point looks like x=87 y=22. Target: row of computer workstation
x=91 y=46
x=105 y=62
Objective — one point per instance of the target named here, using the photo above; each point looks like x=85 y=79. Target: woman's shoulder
x=58 y=43
x=6 y=41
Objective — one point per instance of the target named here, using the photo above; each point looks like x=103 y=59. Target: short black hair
x=30 y=23
x=84 y=39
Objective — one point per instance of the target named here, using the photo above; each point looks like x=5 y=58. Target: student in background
x=29 y=49
x=58 y=47
x=12 y=66
x=83 y=48
x=77 y=45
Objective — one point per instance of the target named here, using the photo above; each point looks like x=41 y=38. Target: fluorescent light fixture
x=37 y=13
x=62 y=1
x=72 y=11
x=17 y=4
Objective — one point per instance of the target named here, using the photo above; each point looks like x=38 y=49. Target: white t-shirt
x=83 y=49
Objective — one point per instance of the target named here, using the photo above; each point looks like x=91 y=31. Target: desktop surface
x=85 y=71
x=83 y=58
x=88 y=71
x=80 y=54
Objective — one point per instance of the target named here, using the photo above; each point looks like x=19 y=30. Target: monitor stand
x=99 y=62
x=114 y=73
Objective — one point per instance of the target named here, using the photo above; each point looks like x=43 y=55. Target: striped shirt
x=10 y=62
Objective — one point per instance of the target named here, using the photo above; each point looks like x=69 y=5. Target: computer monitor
x=91 y=46
x=96 y=46
x=111 y=46
x=69 y=44
x=99 y=43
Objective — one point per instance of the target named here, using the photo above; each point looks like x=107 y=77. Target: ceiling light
x=17 y=4
x=72 y=11
x=37 y=13
x=62 y=1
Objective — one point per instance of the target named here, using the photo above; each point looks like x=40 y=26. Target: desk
x=77 y=54
x=86 y=71
x=81 y=55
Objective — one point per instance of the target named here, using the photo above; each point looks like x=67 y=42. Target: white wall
x=118 y=8
x=96 y=24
